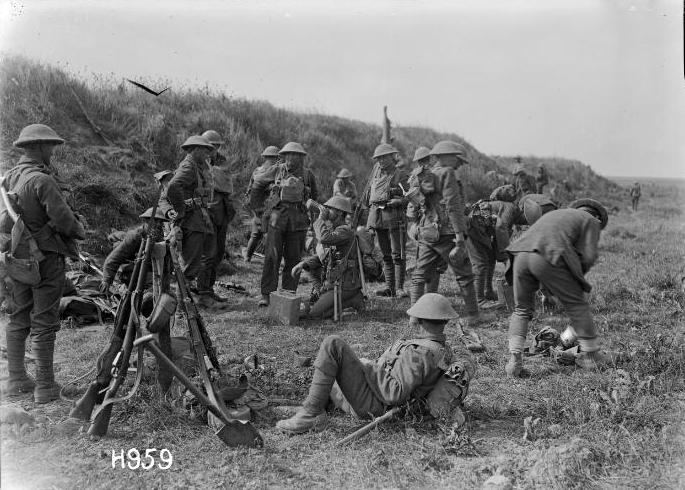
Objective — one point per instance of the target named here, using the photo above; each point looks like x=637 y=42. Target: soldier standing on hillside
x=442 y=229
x=489 y=228
x=334 y=266
x=541 y=179
x=421 y=183
x=190 y=192
x=258 y=190
x=635 y=193
x=557 y=252
x=524 y=183
x=386 y=205
x=287 y=219
x=51 y=228
x=221 y=210
x=343 y=186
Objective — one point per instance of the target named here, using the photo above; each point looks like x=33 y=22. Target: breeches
x=282 y=244
x=197 y=253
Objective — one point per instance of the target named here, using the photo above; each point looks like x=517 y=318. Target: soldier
x=337 y=263
x=421 y=182
x=220 y=209
x=635 y=193
x=407 y=370
x=441 y=231
x=489 y=228
x=557 y=252
x=531 y=206
x=386 y=205
x=343 y=186
x=257 y=191
x=190 y=192
x=524 y=183
x=288 y=220
x=541 y=179
x=51 y=230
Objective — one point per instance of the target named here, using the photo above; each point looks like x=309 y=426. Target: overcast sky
x=600 y=81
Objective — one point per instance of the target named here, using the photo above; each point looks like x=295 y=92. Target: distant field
x=656 y=181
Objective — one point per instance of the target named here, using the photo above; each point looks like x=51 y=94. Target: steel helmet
x=519 y=169
x=340 y=203
x=344 y=174
x=37 y=133
x=384 y=149
x=213 y=137
x=160 y=213
x=504 y=193
x=160 y=176
x=433 y=306
x=292 y=147
x=270 y=151
x=196 y=140
x=449 y=148
x=421 y=153
x=586 y=202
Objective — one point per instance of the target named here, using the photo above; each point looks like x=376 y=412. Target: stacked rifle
x=112 y=366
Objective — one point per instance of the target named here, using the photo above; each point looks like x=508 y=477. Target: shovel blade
x=240 y=433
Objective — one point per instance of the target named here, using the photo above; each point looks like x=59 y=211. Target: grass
x=621 y=428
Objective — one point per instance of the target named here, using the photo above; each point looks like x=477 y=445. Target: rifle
x=113 y=365
x=90 y=264
x=231 y=432
x=370 y=426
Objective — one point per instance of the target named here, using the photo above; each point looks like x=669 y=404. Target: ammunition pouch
x=195 y=203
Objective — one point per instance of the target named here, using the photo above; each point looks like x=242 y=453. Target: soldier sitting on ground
x=336 y=266
x=557 y=252
x=407 y=370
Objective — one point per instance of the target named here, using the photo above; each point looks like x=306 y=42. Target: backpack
x=451 y=388
x=481 y=219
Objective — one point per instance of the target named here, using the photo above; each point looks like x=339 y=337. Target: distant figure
x=541 y=179
x=635 y=193
x=524 y=183
x=344 y=187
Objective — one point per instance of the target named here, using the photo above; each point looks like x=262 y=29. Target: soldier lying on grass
x=407 y=370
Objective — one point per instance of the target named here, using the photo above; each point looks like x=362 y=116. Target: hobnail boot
x=480 y=319
x=514 y=367
x=303 y=421
x=264 y=301
x=47 y=393
x=593 y=361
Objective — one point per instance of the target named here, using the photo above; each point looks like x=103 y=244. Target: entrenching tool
x=369 y=427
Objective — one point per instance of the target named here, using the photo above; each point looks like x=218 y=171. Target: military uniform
x=288 y=221
x=345 y=188
x=35 y=309
x=123 y=254
x=387 y=217
x=258 y=189
x=339 y=264
x=190 y=192
x=557 y=252
x=530 y=207
x=541 y=180
x=635 y=193
x=442 y=219
x=222 y=212
x=489 y=228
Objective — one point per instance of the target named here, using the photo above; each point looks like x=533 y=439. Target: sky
x=600 y=81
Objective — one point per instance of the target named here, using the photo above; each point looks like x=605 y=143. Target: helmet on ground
x=421 y=153
x=519 y=169
x=213 y=137
x=384 y=149
x=37 y=133
x=586 y=202
x=270 y=151
x=433 y=306
x=340 y=203
x=194 y=141
x=344 y=174
x=504 y=193
x=449 y=148
x=292 y=147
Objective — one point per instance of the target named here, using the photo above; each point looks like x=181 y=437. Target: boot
x=480 y=318
x=514 y=367
x=313 y=411
x=400 y=273
x=46 y=389
x=264 y=301
x=205 y=300
x=593 y=361
x=491 y=295
x=18 y=381
x=389 y=270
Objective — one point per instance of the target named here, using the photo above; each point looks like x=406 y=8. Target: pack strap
x=20 y=230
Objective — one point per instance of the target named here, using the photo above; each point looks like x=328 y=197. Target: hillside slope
x=118 y=136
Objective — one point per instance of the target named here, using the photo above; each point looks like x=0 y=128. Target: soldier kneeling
x=407 y=370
